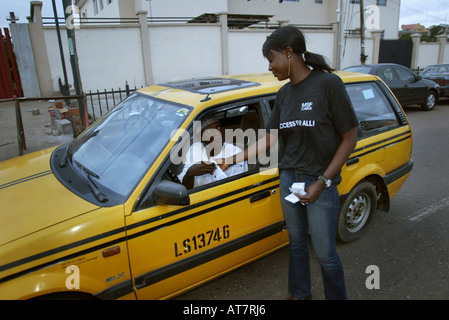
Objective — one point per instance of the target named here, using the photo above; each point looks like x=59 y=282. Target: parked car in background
x=440 y=74
x=408 y=87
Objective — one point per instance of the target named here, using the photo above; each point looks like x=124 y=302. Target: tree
x=434 y=31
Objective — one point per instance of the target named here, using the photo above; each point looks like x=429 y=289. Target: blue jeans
x=320 y=217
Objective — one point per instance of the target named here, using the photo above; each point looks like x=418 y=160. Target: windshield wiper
x=89 y=174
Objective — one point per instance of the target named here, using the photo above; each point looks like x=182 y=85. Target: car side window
x=404 y=74
x=444 y=70
x=241 y=122
x=374 y=112
x=388 y=74
x=236 y=127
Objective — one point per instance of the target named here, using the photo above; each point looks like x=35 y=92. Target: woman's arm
x=258 y=147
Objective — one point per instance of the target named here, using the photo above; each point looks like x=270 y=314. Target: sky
x=427 y=13
x=21 y=8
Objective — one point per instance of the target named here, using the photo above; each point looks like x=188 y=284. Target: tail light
x=442 y=82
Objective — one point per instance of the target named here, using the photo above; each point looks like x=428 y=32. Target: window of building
x=98 y=6
x=355 y=1
x=95 y=7
x=319 y=1
x=381 y=3
x=280 y=1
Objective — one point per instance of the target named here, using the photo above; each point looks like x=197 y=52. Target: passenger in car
x=200 y=167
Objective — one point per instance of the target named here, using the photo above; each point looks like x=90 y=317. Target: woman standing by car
x=317 y=133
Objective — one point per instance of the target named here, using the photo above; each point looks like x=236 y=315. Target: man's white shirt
x=197 y=153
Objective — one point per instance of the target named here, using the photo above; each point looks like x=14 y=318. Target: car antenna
x=206 y=99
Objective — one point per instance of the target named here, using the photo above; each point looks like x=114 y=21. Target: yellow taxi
x=108 y=217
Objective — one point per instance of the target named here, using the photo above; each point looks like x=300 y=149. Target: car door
x=414 y=90
x=175 y=246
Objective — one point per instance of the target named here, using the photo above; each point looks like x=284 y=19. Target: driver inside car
x=200 y=167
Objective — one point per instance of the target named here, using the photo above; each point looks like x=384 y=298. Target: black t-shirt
x=311 y=116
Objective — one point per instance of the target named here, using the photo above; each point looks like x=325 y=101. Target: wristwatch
x=327 y=182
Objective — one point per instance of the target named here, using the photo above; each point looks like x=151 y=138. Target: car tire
x=66 y=296
x=356 y=212
x=430 y=102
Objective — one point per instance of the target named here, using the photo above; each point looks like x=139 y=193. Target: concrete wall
x=446 y=53
x=351 y=53
x=143 y=53
x=25 y=59
x=428 y=53
x=107 y=57
x=185 y=51
x=245 y=51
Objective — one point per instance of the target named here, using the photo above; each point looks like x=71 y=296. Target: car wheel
x=66 y=296
x=356 y=212
x=430 y=101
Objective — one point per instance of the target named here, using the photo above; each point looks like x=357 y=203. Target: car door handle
x=259 y=196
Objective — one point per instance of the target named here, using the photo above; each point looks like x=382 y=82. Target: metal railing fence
x=100 y=102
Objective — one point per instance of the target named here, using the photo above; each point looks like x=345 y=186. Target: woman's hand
x=313 y=192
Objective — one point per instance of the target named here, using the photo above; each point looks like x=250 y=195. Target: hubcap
x=430 y=101
x=358 y=212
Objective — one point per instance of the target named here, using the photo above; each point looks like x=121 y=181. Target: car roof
x=203 y=92
x=438 y=65
x=374 y=65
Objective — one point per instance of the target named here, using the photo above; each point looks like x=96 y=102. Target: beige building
x=379 y=14
x=414 y=29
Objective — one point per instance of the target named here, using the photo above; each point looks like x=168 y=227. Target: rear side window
x=389 y=74
x=404 y=74
x=373 y=109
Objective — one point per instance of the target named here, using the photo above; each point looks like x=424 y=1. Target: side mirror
x=168 y=192
x=418 y=78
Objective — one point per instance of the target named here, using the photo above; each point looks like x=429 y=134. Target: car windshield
x=436 y=69
x=117 y=150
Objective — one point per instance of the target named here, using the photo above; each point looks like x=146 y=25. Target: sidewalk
x=37 y=135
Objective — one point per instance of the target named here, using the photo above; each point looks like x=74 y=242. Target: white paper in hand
x=292 y=198
x=218 y=173
x=297 y=187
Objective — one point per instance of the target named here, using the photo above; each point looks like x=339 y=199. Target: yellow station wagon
x=108 y=217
